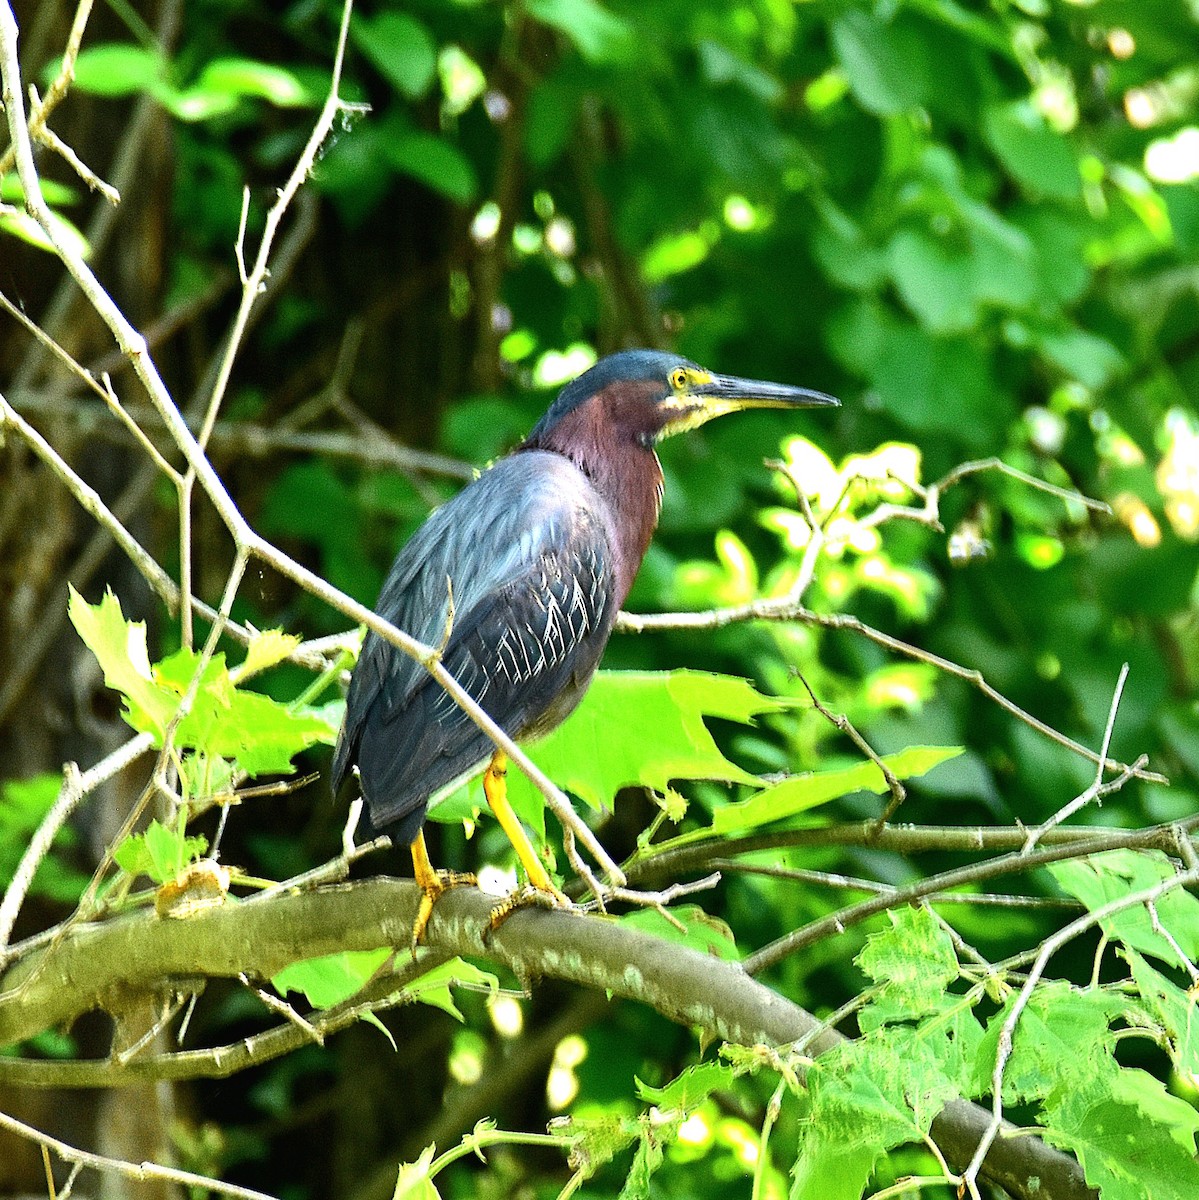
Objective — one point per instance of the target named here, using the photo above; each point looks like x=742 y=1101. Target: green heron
x=527 y=568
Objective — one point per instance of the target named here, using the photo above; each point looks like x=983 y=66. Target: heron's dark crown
x=625 y=366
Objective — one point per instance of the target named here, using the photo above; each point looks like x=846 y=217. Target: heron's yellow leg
x=432 y=884
x=495 y=788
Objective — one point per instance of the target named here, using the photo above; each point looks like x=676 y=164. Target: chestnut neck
x=609 y=440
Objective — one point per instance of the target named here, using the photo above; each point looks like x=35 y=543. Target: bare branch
x=137 y=1171
x=1096 y=789
x=784 y=609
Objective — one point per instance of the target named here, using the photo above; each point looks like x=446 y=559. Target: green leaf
x=1102 y=878
x=935 y=283
x=701 y=931
x=433 y=987
x=914 y=961
x=24 y=804
x=1175 y=1012
x=266 y=649
x=437 y=163
x=331 y=978
x=803 y=792
x=261 y=734
x=116 y=69
x=400 y=48
x=690 y=1088
x=886 y=63
x=1085 y=356
x=599 y=35
x=1039 y=157
x=247 y=77
x=863 y=1098
x=646 y=1160
x=162 y=852
x=22 y=225
x=1124 y=1154
x=120 y=649
x=57 y=194
x=938 y=385
x=414 y=1181
x=672 y=255
x=1062 y=1037
x=643 y=728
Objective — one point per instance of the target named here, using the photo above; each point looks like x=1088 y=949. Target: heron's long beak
x=710 y=396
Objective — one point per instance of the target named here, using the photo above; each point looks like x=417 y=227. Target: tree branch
x=98 y=965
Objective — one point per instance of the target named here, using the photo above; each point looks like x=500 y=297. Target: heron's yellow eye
x=678 y=379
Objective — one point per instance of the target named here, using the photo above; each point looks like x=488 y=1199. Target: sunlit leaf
x=332 y=978
x=414 y=1181
x=803 y=792
x=162 y=852
x=115 y=69
x=266 y=649
x=21 y=225
x=700 y=931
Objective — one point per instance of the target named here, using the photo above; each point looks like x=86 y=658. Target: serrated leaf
x=1175 y=1012
x=1063 y=1036
x=690 y=1088
x=643 y=728
x=1102 y=878
x=261 y=734
x=161 y=852
x=120 y=649
x=414 y=1181
x=331 y=978
x=803 y=792
x=914 y=961
x=266 y=649
x=1123 y=1154
x=863 y=1098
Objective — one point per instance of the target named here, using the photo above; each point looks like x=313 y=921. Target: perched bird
x=526 y=568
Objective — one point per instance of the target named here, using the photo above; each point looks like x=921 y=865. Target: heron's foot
x=528 y=896
x=432 y=888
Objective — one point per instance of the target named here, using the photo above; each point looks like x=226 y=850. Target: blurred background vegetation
x=977 y=224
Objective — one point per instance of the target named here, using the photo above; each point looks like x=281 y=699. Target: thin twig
x=782 y=609
x=846 y=726
x=1096 y=789
x=838 y=922
x=40 y=112
x=127 y=1170
x=75 y=787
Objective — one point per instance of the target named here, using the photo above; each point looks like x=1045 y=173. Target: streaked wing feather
x=529 y=626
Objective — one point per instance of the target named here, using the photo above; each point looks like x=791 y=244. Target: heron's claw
x=432 y=888
x=525 y=897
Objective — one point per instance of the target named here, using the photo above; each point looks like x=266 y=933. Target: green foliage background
x=964 y=220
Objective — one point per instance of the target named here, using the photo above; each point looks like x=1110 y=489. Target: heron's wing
x=527 y=559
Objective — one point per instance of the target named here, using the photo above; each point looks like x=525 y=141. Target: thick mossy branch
x=99 y=966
